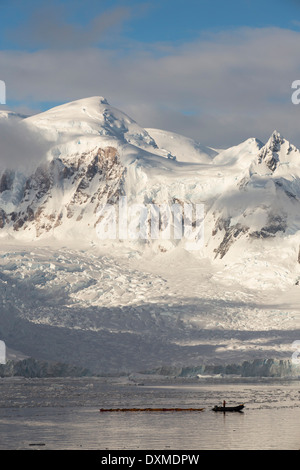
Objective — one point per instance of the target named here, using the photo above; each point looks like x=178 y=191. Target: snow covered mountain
x=98 y=154
x=264 y=202
x=107 y=298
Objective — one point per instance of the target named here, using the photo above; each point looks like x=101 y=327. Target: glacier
x=117 y=305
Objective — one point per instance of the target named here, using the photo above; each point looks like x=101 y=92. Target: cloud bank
x=21 y=146
x=219 y=89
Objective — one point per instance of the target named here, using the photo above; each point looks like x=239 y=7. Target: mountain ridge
x=99 y=154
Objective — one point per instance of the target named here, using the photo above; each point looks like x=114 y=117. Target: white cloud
x=219 y=89
x=21 y=146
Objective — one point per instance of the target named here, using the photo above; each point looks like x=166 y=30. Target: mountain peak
x=92 y=101
x=85 y=118
x=272 y=151
x=78 y=109
x=275 y=141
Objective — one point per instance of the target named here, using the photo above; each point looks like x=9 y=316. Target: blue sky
x=158 y=20
x=213 y=70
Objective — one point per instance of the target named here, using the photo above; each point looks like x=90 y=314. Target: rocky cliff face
x=63 y=190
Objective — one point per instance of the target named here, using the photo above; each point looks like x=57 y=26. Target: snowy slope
x=135 y=303
x=181 y=148
x=113 y=312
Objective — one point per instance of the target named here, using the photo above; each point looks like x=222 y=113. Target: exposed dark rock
x=101 y=163
x=276 y=224
x=230 y=236
x=3 y=218
x=6 y=181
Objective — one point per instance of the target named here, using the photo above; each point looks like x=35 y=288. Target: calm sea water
x=64 y=414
